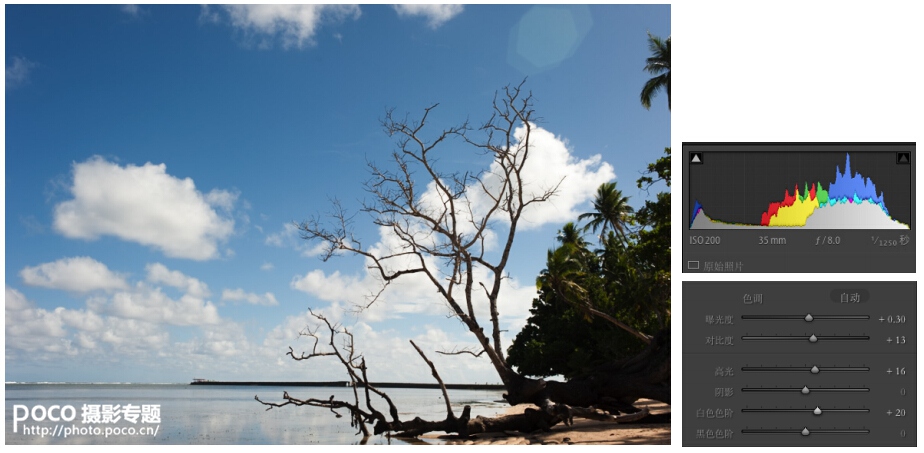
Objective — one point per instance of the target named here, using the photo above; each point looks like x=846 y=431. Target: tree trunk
x=612 y=387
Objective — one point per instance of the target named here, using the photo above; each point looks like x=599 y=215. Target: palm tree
x=570 y=234
x=659 y=64
x=565 y=275
x=611 y=210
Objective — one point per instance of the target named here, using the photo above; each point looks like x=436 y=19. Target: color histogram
x=752 y=194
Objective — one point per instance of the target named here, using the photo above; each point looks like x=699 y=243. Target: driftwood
x=364 y=414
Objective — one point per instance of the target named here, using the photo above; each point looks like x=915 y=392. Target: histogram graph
x=772 y=207
x=821 y=190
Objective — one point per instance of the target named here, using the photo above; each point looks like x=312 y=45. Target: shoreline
x=400 y=385
x=583 y=432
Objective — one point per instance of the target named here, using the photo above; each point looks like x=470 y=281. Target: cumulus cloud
x=131 y=336
x=128 y=323
x=24 y=320
x=267 y=299
x=220 y=342
x=158 y=273
x=61 y=334
x=333 y=287
x=150 y=304
x=129 y=329
x=551 y=161
x=63 y=331
x=69 y=337
x=79 y=274
x=144 y=205
x=17 y=74
x=294 y=25
x=435 y=15
x=550 y=166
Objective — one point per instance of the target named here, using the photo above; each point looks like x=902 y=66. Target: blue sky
x=156 y=154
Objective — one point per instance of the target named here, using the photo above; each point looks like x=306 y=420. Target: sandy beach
x=583 y=432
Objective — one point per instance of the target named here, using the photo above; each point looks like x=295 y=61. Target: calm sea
x=213 y=414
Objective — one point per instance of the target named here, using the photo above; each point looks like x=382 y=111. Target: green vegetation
x=597 y=306
x=659 y=64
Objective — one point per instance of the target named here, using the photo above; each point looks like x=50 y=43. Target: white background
x=790 y=71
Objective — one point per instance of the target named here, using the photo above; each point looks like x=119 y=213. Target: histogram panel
x=812 y=190
x=798 y=207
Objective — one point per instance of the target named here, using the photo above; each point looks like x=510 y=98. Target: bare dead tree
x=443 y=235
x=443 y=222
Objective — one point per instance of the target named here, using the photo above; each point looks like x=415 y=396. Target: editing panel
x=799 y=364
x=799 y=207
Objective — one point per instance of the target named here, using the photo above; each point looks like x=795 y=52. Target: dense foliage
x=625 y=273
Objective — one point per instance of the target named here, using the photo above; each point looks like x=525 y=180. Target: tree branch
x=436 y=376
x=461 y=351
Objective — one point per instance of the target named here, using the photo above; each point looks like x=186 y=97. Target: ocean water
x=214 y=414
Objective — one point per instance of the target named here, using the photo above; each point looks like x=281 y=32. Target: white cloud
x=267 y=266
x=289 y=237
x=51 y=333
x=83 y=320
x=222 y=199
x=411 y=293
x=79 y=274
x=145 y=205
x=17 y=74
x=65 y=336
x=436 y=15
x=294 y=25
x=251 y=298
x=218 y=341
x=551 y=161
x=132 y=336
x=333 y=288
x=284 y=237
x=158 y=273
x=149 y=304
x=141 y=301
x=24 y=320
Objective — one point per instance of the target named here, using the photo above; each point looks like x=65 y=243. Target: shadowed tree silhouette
x=570 y=234
x=658 y=64
x=611 y=211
